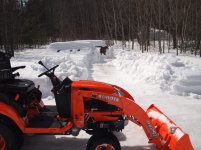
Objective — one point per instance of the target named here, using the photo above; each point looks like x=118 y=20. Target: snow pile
x=74 y=59
x=76 y=45
x=66 y=67
x=168 y=71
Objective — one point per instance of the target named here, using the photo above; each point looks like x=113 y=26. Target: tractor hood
x=93 y=86
x=100 y=87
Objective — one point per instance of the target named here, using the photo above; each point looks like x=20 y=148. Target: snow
x=170 y=82
x=167 y=71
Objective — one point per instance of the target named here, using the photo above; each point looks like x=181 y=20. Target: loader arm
x=163 y=138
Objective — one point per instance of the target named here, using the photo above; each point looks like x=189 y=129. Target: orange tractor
x=95 y=107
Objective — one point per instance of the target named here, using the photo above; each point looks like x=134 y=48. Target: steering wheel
x=48 y=71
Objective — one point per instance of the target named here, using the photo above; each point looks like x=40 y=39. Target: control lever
x=41 y=63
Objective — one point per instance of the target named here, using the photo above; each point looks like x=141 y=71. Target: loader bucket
x=172 y=136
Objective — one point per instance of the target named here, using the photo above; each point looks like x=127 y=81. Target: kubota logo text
x=110 y=98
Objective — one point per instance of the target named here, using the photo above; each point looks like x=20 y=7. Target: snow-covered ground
x=170 y=82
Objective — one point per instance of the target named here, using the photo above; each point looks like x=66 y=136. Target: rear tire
x=7 y=138
x=102 y=141
x=19 y=139
x=6 y=122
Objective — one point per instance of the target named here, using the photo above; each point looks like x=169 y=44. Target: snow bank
x=74 y=59
x=66 y=67
x=168 y=71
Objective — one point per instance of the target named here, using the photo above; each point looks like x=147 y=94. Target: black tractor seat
x=19 y=86
x=24 y=88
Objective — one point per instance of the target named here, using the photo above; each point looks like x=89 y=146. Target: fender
x=11 y=113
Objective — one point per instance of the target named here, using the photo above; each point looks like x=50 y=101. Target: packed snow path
x=185 y=111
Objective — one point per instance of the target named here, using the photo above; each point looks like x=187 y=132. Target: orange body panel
x=99 y=87
x=63 y=130
x=105 y=116
x=78 y=97
x=77 y=108
x=11 y=113
x=93 y=86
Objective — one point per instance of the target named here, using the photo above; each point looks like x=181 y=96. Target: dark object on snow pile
x=78 y=50
x=58 y=50
x=103 y=49
x=71 y=50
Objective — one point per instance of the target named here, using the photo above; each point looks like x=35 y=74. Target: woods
x=28 y=23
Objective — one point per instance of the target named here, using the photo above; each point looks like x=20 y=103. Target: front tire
x=7 y=138
x=103 y=141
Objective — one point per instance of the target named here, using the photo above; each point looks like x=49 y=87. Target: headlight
x=118 y=93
